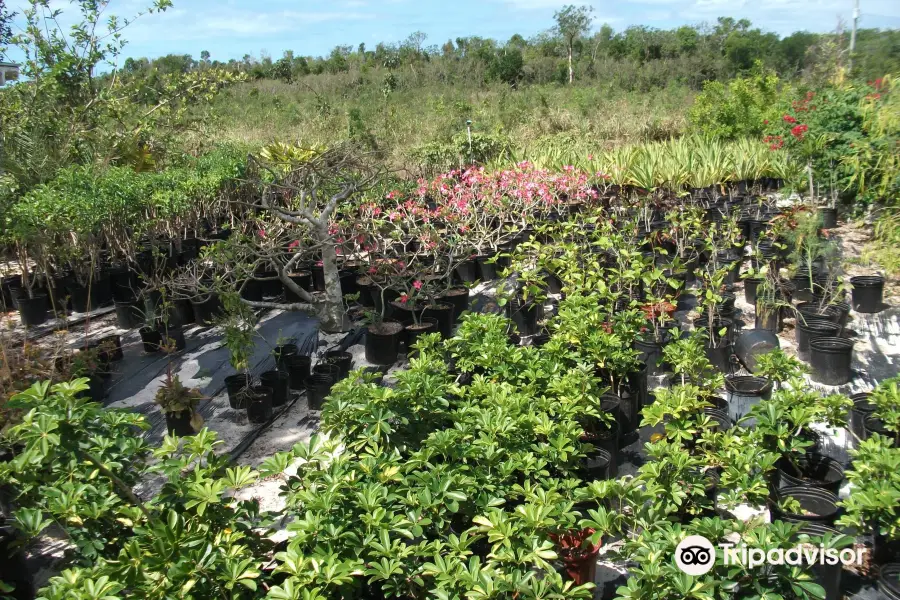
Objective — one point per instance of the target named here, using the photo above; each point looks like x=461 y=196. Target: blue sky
x=232 y=28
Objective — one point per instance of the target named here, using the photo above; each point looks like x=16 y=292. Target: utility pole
x=853 y=32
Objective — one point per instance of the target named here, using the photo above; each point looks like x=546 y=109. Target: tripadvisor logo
x=695 y=555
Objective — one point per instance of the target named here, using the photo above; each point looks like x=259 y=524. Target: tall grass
x=324 y=109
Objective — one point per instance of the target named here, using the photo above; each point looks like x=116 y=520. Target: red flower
x=373 y=270
x=293 y=244
x=261 y=233
x=766 y=122
x=789 y=119
x=417 y=285
x=798 y=131
x=404 y=298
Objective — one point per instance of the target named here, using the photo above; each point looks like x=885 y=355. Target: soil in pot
x=298 y=369
x=413 y=331
x=383 y=342
x=811 y=470
x=830 y=359
x=816 y=505
x=179 y=423
x=259 y=407
x=238 y=388
x=868 y=293
x=151 y=339
x=279 y=382
x=33 y=311
x=813 y=330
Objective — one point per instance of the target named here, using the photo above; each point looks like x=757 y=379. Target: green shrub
x=740 y=109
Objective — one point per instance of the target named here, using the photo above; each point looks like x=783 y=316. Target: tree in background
x=5 y=28
x=572 y=23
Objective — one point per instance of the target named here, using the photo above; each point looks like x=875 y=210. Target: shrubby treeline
x=636 y=58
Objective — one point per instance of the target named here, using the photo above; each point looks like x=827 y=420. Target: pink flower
x=404 y=298
x=261 y=233
x=293 y=244
x=417 y=285
x=372 y=270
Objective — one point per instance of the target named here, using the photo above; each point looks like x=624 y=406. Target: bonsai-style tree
x=299 y=192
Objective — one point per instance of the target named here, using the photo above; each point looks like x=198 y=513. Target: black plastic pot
x=889 y=581
x=752 y=343
x=722 y=421
x=206 y=310
x=487 y=271
x=459 y=298
x=183 y=312
x=443 y=313
x=873 y=424
x=769 y=318
x=868 y=293
x=317 y=389
x=719 y=355
x=179 y=423
x=813 y=330
x=304 y=280
x=329 y=370
x=810 y=311
x=413 y=331
x=282 y=353
x=830 y=359
x=238 y=388
x=259 y=406
x=744 y=392
x=816 y=505
x=342 y=360
x=298 y=369
x=811 y=470
x=861 y=410
x=383 y=344
x=750 y=285
x=15 y=570
x=651 y=351
x=595 y=466
x=115 y=343
x=467 y=271
x=318 y=277
x=828 y=216
x=524 y=315
x=828 y=576
x=33 y=311
x=151 y=339
x=280 y=383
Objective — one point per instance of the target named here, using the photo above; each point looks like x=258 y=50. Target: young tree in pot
x=718 y=346
x=238 y=331
x=303 y=187
x=886 y=417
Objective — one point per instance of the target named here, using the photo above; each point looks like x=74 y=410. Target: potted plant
x=179 y=404
x=238 y=331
